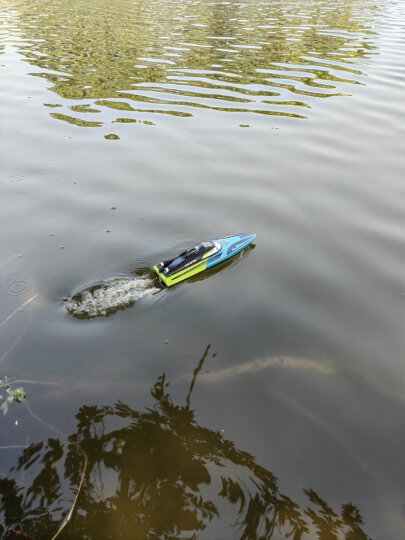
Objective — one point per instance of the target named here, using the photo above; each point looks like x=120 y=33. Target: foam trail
x=104 y=298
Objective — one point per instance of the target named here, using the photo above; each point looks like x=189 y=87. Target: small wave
x=104 y=298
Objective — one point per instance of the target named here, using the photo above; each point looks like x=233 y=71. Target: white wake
x=104 y=298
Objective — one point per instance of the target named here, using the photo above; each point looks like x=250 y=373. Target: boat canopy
x=188 y=257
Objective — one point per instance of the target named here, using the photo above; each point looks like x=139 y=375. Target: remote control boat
x=201 y=257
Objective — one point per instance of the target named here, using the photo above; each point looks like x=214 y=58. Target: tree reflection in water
x=156 y=473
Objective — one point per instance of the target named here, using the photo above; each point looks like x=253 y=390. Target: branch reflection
x=157 y=473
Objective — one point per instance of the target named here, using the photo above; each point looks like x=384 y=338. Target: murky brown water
x=266 y=398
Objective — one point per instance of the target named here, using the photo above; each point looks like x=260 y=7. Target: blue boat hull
x=201 y=257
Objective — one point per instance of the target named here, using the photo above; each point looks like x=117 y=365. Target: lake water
x=264 y=399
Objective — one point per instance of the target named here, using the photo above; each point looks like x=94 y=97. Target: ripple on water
x=106 y=297
x=17 y=287
x=184 y=57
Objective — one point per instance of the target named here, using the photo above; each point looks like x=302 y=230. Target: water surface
x=265 y=398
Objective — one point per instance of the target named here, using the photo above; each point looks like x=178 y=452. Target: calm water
x=266 y=399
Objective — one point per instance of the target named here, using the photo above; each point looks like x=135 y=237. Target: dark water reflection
x=271 y=58
x=156 y=473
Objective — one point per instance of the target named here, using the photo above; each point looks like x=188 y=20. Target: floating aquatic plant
x=11 y=395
